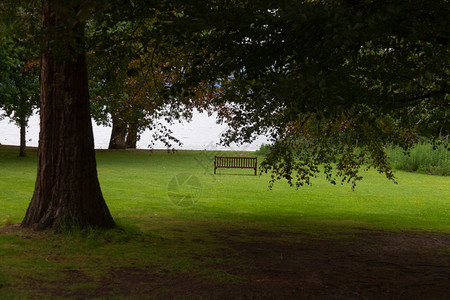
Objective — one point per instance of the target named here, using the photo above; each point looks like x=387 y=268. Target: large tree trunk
x=67 y=191
x=118 y=133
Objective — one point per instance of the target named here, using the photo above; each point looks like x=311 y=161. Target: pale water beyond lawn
x=184 y=231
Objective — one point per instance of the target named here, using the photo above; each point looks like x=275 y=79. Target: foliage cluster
x=19 y=81
x=132 y=69
x=422 y=157
x=324 y=78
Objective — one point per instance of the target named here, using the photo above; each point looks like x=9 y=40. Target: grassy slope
x=163 y=237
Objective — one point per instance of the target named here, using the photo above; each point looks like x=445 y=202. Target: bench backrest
x=235 y=161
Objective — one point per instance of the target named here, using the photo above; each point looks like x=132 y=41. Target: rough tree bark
x=67 y=191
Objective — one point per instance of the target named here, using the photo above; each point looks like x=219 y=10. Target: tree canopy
x=332 y=82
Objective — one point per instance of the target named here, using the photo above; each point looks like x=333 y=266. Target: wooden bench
x=235 y=162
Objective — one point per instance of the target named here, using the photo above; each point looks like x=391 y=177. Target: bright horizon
x=201 y=133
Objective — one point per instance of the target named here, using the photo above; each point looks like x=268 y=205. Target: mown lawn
x=135 y=186
x=193 y=231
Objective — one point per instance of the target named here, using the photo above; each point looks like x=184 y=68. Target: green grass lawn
x=156 y=233
x=135 y=186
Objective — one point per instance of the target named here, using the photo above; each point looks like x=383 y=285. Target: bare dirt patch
x=364 y=265
x=10 y=228
x=371 y=265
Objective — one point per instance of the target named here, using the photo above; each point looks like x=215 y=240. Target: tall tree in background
x=131 y=72
x=109 y=65
x=67 y=189
x=19 y=65
x=19 y=88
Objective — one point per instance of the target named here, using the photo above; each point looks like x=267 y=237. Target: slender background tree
x=19 y=65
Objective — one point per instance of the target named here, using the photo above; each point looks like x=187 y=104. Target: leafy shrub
x=423 y=158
